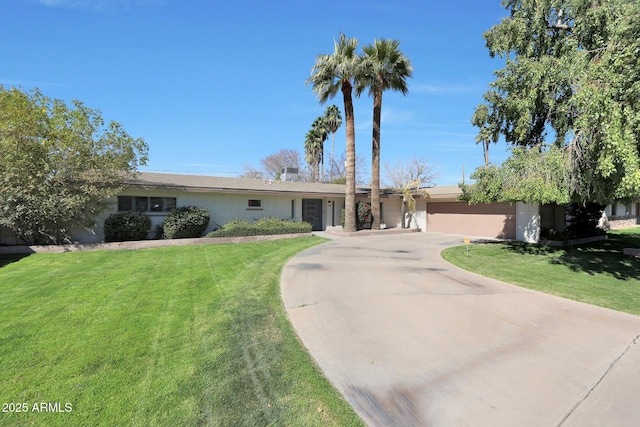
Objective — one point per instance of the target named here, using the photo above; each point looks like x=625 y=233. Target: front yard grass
x=596 y=273
x=176 y=336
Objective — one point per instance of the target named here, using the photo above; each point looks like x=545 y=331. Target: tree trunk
x=322 y=160
x=350 y=194
x=375 y=161
x=403 y=211
x=486 y=153
x=333 y=142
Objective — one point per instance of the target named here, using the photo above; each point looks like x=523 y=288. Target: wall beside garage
x=527 y=222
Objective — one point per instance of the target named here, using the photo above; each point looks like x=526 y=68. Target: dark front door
x=312 y=213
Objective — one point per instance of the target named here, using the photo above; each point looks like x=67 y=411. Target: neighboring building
x=621 y=215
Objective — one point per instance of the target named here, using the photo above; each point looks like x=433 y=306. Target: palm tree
x=313 y=148
x=386 y=67
x=330 y=73
x=333 y=121
x=319 y=128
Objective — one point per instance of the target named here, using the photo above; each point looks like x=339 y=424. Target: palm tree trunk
x=350 y=193
x=333 y=142
x=322 y=160
x=375 y=161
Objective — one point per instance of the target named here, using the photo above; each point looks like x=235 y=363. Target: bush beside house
x=262 y=227
x=186 y=222
x=126 y=226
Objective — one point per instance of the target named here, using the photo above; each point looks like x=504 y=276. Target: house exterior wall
x=527 y=222
x=420 y=216
x=392 y=207
x=223 y=207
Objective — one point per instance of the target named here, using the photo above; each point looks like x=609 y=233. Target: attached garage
x=496 y=220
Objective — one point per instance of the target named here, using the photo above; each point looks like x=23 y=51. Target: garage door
x=496 y=220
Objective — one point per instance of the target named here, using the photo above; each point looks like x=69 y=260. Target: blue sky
x=212 y=85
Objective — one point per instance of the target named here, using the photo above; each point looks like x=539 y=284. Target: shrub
x=363 y=215
x=262 y=227
x=125 y=226
x=185 y=222
x=584 y=220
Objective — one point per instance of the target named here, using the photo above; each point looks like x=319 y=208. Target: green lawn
x=596 y=273
x=175 y=336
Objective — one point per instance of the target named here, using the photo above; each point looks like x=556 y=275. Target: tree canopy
x=59 y=164
x=567 y=100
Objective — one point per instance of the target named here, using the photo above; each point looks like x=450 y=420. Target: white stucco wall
x=527 y=222
x=420 y=216
x=222 y=207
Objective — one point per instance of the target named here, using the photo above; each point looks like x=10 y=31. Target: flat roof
x=216 y=184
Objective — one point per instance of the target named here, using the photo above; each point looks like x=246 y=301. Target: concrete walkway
x=410 y=340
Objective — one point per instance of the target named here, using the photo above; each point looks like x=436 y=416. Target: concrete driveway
x=411 y=340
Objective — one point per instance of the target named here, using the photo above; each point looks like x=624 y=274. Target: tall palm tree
x=312 y=153
x=333 y=121
x=330 y=73
x=319 y=128
x=386 y=67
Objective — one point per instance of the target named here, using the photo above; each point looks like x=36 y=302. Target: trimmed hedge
x=126 y=226
x=185 y=222
x=262 y=227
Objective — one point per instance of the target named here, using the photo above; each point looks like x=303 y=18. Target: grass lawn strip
x=596 y=273
x=172 y=336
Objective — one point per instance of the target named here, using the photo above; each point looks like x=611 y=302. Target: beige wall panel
x=497 y=220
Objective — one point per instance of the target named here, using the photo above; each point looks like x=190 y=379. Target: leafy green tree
x=59 y=165
x=569 y=97
x=333 y=121
x=385 y=68
x=487 y=133
x=338 y=72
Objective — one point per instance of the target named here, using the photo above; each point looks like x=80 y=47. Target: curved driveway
x=410 y=340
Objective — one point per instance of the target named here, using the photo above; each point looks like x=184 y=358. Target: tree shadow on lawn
x=11 y=258
x=602 y=257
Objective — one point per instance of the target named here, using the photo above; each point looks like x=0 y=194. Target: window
x=124 y=203
x=254 y=204
x=142 y=204
x=156 y=204
x=146 y=204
